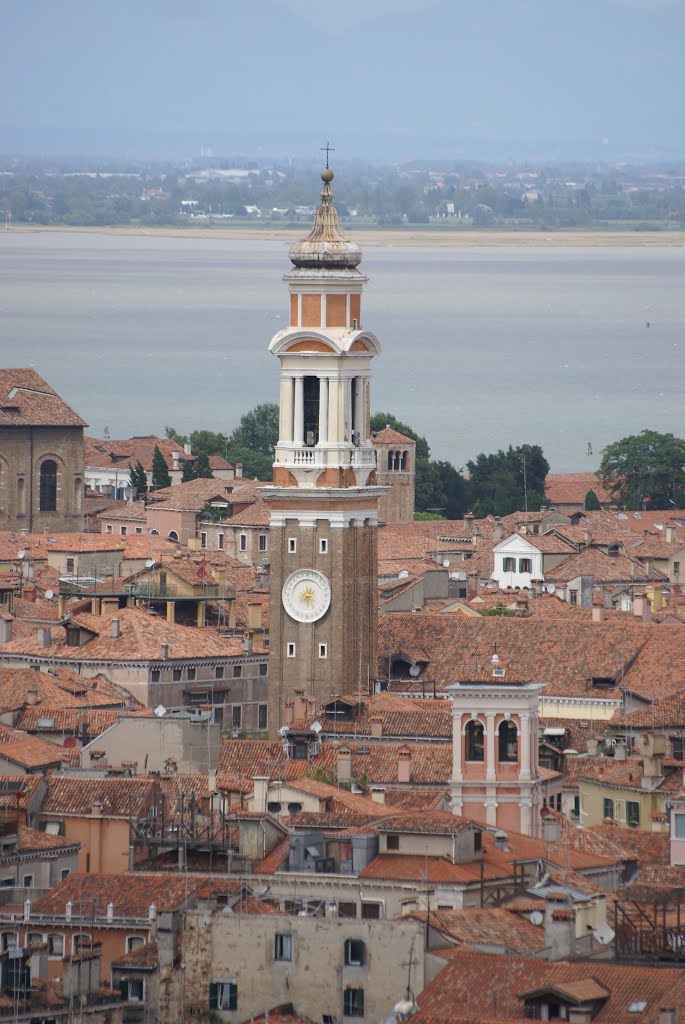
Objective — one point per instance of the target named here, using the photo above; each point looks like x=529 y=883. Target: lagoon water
x=482 y=347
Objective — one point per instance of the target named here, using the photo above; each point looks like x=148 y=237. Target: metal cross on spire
x=327 y=149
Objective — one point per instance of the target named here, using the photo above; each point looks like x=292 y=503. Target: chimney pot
x=32 y=697
x=164 y=652
x=116 y=628
x=6 y=626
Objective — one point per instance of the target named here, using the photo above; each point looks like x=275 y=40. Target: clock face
x=306 y=595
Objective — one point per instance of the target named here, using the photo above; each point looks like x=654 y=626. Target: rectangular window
x=262 y=716
x=242 y=544
x=108 y=528
x=354 y=953
x=70 y=566
x=353 y=1002
x=28 y=881
x=632 y=812
x=203 y=540
x=64 y=873
x=477 y=842
x=292 y=545
x=347 y=909
x=139 y=529
x=237 y=671
x=223 y=995
x=133 y=990
x=392 y=842
x=509 y=565
x=678 y=748
x=608 y=807
x=220 y=541
x=323 y=650
x=291 y=650
x=283 y=947
x=525 y=565
x=573 y=596
x=676 y=568
x=177 y=674
x=371 y=911
x=55 y=945
x=237 y=716
x=219 y=672
x=123 y=530
x=190 y=675
x=154 y=675
x=262 y=542
x=323 y=546
x=263 y=669
x=679 y=826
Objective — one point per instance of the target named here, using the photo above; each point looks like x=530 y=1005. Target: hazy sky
x=382 y=78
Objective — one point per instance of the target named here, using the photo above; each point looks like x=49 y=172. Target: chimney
x=27 y=910
x=598 y=607
x=288 y=717
x=299 y=705
x=497 y=531
x=475 y=537
x=44 y=636
x=404 y=765
x=67 y=910
x=377 y=728
x=247 y=642
x=551 y=828
x=6 y=623
x=116 y=629
x=501 y=840
x=343 y=764
x=96 y=808
x=620 y=751
x=238 y=470
x=666 y=1016
x=175 y=457
x=378 y=795
x=260 y=787
x=592 y=744
x=670 y=539
x=110 y=911
x=641 y=609
x=188 y=448
x=164 y=652
x=521 y=603
x=536 y=583
x=32 y=697
x=587 y=537
x=560 y=926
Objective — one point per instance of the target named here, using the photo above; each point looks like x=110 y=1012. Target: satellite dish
x=21 y=554
x=604 y=934
x=446 y=563
x=283 y=731
x=414 y=671
x=317 y=727
x=536 y=917
x=160 y=711
x=49 y=594
x=150 y=562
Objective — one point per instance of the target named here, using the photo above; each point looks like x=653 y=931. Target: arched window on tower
x=311 y=389
x=48 y=486
x=403 y=464
x=508 y=742
x=390 y=460
x=475 y=748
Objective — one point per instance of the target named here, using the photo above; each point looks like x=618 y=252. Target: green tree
x=258 y=429
x=592 y=502
x=381 y=420
x=254 y=463
x=173 y=435
x=188 y=471
x=645 y=470
x=202 y=467
x=138 y=478
x=508 y=481
x=160 y=471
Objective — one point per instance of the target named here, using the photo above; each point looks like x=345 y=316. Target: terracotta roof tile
x=29 y=752
x=31 y=840
x=131 y=892
x=28 y=400
x=571 y=488
x=390 y=436
x=119 y=797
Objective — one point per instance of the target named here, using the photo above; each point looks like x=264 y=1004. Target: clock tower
x=324 y=501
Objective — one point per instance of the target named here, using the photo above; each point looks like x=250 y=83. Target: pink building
x=495 y=775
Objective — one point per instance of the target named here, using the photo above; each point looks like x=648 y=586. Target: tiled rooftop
x=27 y=400
x=120 y=797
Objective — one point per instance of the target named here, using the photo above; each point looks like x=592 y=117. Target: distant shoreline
x=388 y=237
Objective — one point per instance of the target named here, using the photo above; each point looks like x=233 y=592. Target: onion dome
x=325 y=245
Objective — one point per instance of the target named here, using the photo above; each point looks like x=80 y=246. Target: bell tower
x=324 y=501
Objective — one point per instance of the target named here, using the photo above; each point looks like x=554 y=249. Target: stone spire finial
x=325 y=245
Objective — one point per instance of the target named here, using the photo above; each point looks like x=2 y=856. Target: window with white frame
x=223 y=995
x=263 y=541
x=509 y=565
x=292 y=545
x=679 y=825
x=203 y=540
x=323 y=650
x=134 y=942
x=323 y=546
x=283 y=947
x=291 y=650
x=242 y=542
x=55 y=944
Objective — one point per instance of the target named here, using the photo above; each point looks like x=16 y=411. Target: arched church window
x=390 y=458
x=311 y=389
x=403 y=464
x=475 y=747
x=508 y=742
x=48 y=486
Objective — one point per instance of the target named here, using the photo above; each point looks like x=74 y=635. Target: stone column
x=285 y=428
x=347 y=409
x=323 y=410
x=524 y=748
x=358 y=425
x=490 y=746
x=457 y=774
x=298 y=433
